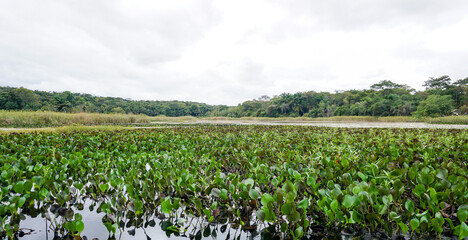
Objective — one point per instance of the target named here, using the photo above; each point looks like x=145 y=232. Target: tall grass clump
x=46 y=119
x=449 y=120
x=162 y=118
x=398 y=119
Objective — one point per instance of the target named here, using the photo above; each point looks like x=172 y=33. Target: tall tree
x=437 y=85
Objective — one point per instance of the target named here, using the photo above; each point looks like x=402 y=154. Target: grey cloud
x=115 y=48
x=359 y=14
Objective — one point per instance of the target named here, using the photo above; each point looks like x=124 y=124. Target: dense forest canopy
x=441 y=97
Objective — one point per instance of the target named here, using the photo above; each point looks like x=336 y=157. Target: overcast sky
x=227 y=52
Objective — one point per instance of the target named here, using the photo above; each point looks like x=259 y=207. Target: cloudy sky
x=227 y=52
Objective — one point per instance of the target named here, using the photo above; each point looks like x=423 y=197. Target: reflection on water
x=47 y=226
x=40 y=226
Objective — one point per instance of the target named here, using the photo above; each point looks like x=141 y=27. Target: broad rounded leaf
x=254 y=194
x=267 y=198
x=261 y=215
x=414 y=223
x=166 y=206
x=462 y=215
x=286 y=208
x=288 y=186
x=215 y=192
x=19 y=187
x=299 y=232
x=304 y=204
x=79 y=226
x=409 y=205
x=348 y=201
x=404 y=227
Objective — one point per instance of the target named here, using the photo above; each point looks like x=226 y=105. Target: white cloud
x=226 y=52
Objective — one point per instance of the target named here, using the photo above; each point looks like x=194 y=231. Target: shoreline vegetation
x=27 y=119
x=38 y=119
x=441 y=97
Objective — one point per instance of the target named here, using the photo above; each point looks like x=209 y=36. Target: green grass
x=48 y=119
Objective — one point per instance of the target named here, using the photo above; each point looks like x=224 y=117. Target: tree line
x=26 y=99
x=441 y=97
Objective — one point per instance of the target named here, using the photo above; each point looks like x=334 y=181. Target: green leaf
x=69 y=214
x=404 y=227
x=414 y=223
x=462 y=215
x=249 y=182
x=386 y=200
x=288 y=186
x=394 y=216
x=442 y=173
x=267 y=198
x=426 y=179
x=19 y=187
x=79 y=226
x=260 y=215
x=198 y=203
x=78 y=186
x=433 y=194
x=357 y=190
x=412 y=172
x=291 y=196
x=409 y=205
x=419 y=189
x=21 y=202
x=299 y=232
x=27 y=186
x=111 y=228
x=286 y=208
x=176 y=203
x=463 y=231
x=362 y=176
x=311 y=181
x=223 y=195
x=396 y=173
x=254 y=194
x=38 y=180
x=334 y=205
x=269 y=215
x=215 y=192
x=44 y=193
x=207 y=213
x=104 y=187
x=304 y=204
x=348 y=201
x=166 y=206
x=37 y=167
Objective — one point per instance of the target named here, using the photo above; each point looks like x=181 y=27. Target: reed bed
x=449 y=120
x=50 y=119
x=320 y=119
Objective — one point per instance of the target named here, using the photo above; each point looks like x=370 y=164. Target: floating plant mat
x=256 y=181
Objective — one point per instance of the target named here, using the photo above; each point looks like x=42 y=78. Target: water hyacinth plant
x=287 y=181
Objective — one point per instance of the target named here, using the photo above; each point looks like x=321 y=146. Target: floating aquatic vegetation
x=292 y=181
